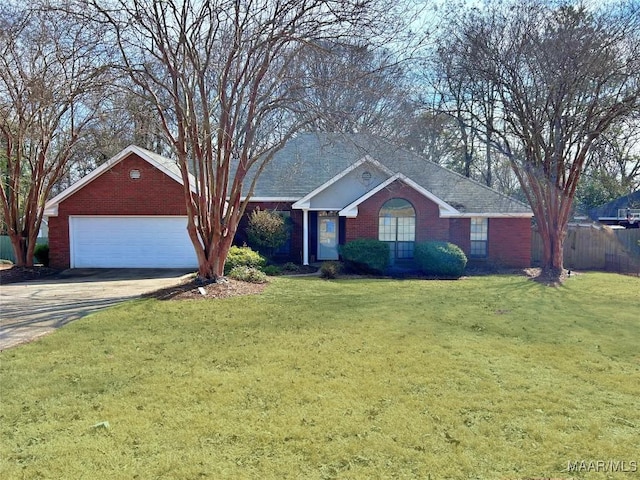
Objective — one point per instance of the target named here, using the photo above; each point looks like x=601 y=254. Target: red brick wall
x=114 y=193
x=461 y=233
x=510 y=242
x=509 y=238
x=429 y=225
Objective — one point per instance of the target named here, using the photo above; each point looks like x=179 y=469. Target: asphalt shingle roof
x=311 y=159
x=611 y=209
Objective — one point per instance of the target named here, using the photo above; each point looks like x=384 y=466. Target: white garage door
x=130 y=242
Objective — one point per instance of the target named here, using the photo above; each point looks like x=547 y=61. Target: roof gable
x=351 y=210
x=165 y=165
x=333 y=186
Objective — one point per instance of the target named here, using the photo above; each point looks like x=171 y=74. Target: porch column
x=305 y=236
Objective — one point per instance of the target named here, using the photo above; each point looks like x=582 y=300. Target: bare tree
x=562 y=76
x=48 y=85
x=221 y=75
x=617 y=154
x=468 y=100
x=457 y=100
x=612 y=168
x=356 y=88
x=124 y=119
x=434 y=136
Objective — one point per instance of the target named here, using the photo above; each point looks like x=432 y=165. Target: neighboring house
x=334 y=188
x=623 y=211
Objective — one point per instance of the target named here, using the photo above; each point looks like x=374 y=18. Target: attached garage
x=130 y=242
x=128 y=213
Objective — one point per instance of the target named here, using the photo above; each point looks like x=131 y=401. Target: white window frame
x=479 y=236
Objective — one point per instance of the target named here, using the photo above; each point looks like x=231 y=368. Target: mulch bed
x=226 y=288
x=537 y=275
x=190 y=290
x=229 y=287
x=24 y=274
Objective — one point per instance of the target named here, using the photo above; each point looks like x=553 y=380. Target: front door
x=327 y=237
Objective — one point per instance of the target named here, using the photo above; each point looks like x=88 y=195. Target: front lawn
x=481 y=378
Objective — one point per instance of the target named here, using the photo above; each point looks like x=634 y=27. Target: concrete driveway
x=29 y=310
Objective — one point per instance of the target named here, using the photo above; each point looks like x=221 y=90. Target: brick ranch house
x=334 y=188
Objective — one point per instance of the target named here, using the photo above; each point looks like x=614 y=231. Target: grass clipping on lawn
x=486 y=377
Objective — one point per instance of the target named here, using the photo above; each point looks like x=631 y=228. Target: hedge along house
x=333 y=187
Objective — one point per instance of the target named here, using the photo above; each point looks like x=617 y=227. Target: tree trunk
x=19 y=244
x=23 y=249
x=553 y=266
x=211 y=258
x=553 y=234
x=552 y=218
x=31 y=247
x=220 y=256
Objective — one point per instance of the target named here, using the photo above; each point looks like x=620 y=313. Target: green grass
x=485 y=377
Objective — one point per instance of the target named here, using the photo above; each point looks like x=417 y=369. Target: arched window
x=397 y=225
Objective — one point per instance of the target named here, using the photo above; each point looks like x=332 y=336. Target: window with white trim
x=479 y=236
x=397 y=226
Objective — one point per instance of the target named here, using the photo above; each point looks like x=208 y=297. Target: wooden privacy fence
x=622 y=264
x=6 y=249
x=596 y=247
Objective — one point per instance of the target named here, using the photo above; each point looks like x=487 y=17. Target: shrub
x=41 y=252
x=247 y=274
x=440 y=259
x=330 y=270
x=267 y=230
x=272 y=270
x=291 y=267
x=243 y=256
x=366 y=255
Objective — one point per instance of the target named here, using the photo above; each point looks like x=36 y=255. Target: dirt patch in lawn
x=194 y=290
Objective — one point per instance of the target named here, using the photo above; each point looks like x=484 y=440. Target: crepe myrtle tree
x=221 y=76
x=561 y=76
x=51 y=69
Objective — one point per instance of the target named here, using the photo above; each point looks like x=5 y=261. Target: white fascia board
x=301 y=206
x=51 y=207
x=305 y=201
x=445 y=208
x=50 y=210
x=489 y=215
x=351 y=210
x=176 y=175
x=270 y=199
x=377 y=164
